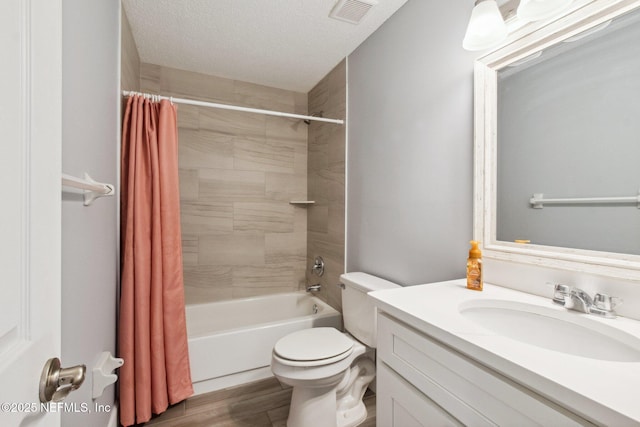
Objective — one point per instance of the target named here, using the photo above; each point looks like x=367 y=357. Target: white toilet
x=330 y=370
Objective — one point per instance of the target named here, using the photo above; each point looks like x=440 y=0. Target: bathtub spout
x=314 y=288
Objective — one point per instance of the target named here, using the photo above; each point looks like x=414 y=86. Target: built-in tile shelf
x=303 y=203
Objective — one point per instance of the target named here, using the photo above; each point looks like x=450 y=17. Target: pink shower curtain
x=152 y=336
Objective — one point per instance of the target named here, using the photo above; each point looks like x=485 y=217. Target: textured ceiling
x=288 y=44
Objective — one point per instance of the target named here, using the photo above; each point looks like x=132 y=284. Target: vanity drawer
x=461 y=386
x=399 y=404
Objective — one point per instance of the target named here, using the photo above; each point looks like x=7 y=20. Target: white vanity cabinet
x=422 y=382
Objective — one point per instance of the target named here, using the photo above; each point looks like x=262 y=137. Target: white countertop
x=602 y=391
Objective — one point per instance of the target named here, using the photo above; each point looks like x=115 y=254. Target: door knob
x=56 y=382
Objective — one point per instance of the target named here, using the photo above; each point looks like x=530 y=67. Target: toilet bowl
x=330 y=370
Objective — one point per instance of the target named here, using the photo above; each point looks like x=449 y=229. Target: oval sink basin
x=557 y=330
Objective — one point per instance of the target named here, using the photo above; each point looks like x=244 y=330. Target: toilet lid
x=313 y=344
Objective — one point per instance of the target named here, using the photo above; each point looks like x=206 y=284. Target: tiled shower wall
x=129 y=59
x=326 y=185
x=238 y=172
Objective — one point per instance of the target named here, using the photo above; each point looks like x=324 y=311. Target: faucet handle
x=606 y=302
x=560 y=292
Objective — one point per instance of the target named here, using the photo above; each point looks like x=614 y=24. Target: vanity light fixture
x=486 y=26
x=536 y=10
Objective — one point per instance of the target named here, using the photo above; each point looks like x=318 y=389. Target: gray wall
x=568 y=127
x=410 y=146
x=90 y=123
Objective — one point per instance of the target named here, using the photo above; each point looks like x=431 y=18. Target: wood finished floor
x=261 y=403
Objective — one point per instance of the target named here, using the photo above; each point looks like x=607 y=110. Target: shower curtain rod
x=233 y=107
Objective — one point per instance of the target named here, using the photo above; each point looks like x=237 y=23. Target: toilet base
x=351 y=410
x=313 y=407
x=316 y=407
x=352 y=417
x=336 y=402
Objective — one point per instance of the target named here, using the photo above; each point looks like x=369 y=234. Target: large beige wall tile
x=129 y=58
x=292 y=131
x=191 y=85
x=238 y=172
x=300 y=163
x=264 y=97
x=333 y=179
x=200 y=149
x=285 y=247
x=188 y=116
x=326 y=183
x=329 y=95
x=317 y=186
x=301 y=103
x=330 y=292
x=264 y=216
x=209 y=276
x=318 y=218
x=233 y=122
x=227 y=184
x=299 y=219
x=261 y=154
x=250 y=280
x=336 y=219
x=205 y=283
x=189 y=184
x=231 y=249
x=189 y=249
x=285 y=186
x=150 y=78
x=318 y=153
x=195 y=295
x=199 y=218
x=325 y=245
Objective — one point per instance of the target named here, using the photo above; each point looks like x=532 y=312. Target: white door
x=30 y=204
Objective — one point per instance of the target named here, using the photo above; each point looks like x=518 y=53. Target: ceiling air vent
x=351 y=11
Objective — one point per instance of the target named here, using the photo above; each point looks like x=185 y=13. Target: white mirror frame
x=522 y=43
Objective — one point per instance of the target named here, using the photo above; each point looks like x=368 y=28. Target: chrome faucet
x=576 y=299
x=314 y=288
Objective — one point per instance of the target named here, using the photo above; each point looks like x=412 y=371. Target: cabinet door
x=399 y=404
x=476 y=395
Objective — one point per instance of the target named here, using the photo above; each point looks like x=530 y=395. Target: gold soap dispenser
x=474 y=267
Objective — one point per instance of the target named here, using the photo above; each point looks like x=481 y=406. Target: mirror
x=558 y=117
x=569 y=127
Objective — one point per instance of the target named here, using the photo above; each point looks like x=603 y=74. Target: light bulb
x=486 y=27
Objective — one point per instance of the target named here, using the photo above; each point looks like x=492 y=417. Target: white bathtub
x=230 y=342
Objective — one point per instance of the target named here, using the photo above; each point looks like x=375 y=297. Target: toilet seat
x=313 y=347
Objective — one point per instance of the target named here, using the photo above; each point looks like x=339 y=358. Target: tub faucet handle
x=318 y=266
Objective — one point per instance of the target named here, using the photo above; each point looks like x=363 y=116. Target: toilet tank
x=358 y=311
